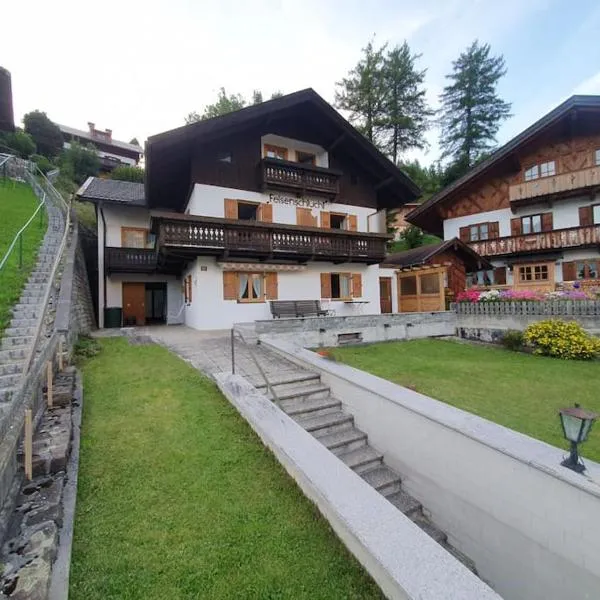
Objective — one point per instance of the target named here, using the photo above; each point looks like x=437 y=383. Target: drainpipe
x=101 y=207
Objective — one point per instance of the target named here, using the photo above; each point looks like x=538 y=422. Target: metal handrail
x=270 y=388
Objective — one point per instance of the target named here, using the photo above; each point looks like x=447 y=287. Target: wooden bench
x=296 y=308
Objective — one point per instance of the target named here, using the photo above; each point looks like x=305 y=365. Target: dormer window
x=276 y=152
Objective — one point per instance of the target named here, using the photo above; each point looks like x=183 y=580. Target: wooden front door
x=385 y=294
x=134 y=304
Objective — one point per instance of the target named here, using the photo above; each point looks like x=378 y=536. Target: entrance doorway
x=156 y=303
x=134 y=304
x=385 y=294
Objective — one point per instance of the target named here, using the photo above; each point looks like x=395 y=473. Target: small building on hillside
x=399 y=221
x=427 y=278
x=113 y=153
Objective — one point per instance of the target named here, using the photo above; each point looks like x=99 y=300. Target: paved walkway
x=210 y=351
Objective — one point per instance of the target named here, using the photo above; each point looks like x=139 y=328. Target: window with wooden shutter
x=265 y=213
x=569 y=270
x=325 y=220
x=515 y=226
x=230 y=285
x=325 y=285
x=134 y=237
x=356 y=285
x=352 y=221
x=304 y=217
x=547 y=222
x=500 y=275
x=586 y=216
x=464 y=234
x=231 y=209
x=271 y=286
x=494 y=229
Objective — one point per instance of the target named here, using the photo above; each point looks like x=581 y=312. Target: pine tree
x=405 y=110
x=471 y=108
x=362 y=93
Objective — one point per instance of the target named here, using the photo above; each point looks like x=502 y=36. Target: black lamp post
x=576 y=423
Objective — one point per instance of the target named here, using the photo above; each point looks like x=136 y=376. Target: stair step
x=429 y=528
x=11 y=342
x=31 y=312
x=304 y=392
x=23 y=322
x=362 y=459
x=320 y=406
x=8 y=381
x=11 y=368
x=19 y=331
x=7 y=394
x=383 y=479
x=12 y=355
x=27 y=300
x=404 y=502
x=330 y=423
x=343 y=441
x=283 y=384
x=465 y=560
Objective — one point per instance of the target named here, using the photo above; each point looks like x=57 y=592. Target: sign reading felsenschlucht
x=294 y=201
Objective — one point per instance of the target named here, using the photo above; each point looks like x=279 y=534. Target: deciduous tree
x=46 y=134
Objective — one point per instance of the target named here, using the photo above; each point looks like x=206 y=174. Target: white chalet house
x=278 y=201
x=533 y=207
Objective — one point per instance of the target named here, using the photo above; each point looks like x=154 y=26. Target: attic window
x=225 y=156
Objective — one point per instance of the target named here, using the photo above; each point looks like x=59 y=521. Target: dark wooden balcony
x=226 y=238
x=297 y=177
x=558 y=239
x=130 y=260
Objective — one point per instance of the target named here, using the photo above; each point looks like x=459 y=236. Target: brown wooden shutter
x=356 y=285
x=547 y=222
x=465 y=234
x=271 y=286
x=493 y=230
x=325 y=220
x=325 y=285
x=230 y=285
x=266 y=213
x=231 y=209
x=515 y=226
x=586 y=216
x=352 y=223
x=303 y=217
x=569 y=271
x=500 y=275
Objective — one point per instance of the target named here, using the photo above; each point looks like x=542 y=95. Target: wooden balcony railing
x=130 y=260
x=283 y=174
x=536 y=242
x=548 y=186
x=224 y=237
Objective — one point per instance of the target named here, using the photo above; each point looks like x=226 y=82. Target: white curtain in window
x=345 y=287
x=243 y=285
x=256 y=286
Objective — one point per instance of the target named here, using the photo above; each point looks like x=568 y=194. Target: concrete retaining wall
x=404 y=561
x=531 y=525
x=312 y=332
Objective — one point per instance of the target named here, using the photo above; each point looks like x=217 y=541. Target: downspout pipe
x=101 y=208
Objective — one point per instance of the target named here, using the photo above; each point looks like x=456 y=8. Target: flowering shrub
x=561 y=339
x=524 y=295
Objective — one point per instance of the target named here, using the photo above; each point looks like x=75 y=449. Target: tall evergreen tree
x=362 y=93
x=471 y=110
x=429 y=179
x=405 y=109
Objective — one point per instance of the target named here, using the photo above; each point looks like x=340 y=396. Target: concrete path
x=210 y=351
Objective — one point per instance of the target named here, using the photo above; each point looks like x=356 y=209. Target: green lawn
x=178 y=498
x=17 y=204
x=520 y=391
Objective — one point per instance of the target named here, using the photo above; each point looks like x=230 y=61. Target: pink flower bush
x=468 y=296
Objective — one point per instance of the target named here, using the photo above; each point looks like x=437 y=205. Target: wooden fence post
x=28 y=445
x=60 y=355
x=49 y=382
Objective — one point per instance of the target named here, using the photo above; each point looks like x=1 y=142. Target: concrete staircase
x=311 y=405
x=19 y=337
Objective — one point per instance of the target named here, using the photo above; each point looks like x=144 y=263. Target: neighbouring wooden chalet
x=112 y=153
x=282 y=200
x=427 y=278
x=533 y=207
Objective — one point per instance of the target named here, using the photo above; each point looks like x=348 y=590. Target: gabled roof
x=88 y=136
x=421 y=214
x=421 y=255
x=126 y=193
x=176 y=145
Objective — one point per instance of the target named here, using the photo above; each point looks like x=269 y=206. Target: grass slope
x=17 y=204
x=517 y=390
x=179 y=499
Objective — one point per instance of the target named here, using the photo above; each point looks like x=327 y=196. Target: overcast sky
x=139 y=67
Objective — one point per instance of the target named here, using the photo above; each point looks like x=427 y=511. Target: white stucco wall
x=503 y=216
x=565 y=213
x=209 y=310
x=209 y=201
x=321 y=156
